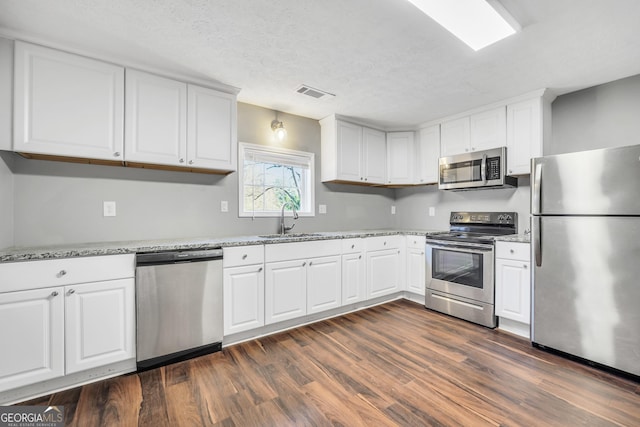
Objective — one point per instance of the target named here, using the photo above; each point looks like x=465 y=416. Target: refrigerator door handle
x=536 y=233
x=536 y=194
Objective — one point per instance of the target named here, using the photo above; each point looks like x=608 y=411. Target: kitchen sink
x=289 y=235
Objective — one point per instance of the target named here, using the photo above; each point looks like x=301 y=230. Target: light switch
x=224 y=206
x=322 y=209
x=108 y=208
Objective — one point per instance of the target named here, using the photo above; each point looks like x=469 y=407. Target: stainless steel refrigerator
x=585 y=228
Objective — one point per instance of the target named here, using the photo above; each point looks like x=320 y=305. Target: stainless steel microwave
x=475 y=170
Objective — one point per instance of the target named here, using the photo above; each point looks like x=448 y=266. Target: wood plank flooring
x=397 y=364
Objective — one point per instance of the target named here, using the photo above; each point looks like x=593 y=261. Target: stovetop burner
x=478 y=227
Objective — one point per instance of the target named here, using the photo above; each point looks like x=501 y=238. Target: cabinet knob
x=71 y=291
x=473 y=148
x=466 y=150
x=260 y=269
x=524 y=266
x=304 y=263
x=359 y=256
x=385 y=243
x=512 y=251
x=54 y=293
x=190 y=162
x=62 y=273
x=398 y=251
x=353 y=246
x=361 y=178
x=310 y=263
x=181 y=160
x=244 y=256
x=510 y=170
x=116 y=154
x=421 y=253
x=366 y=179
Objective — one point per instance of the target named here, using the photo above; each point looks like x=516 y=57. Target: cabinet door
x=285 y=290
x=427 y=155
x=374 y=156
x=211 y=135
x=353 y=278
x=100 y=324
x=400 y=158
x=383 y=272
x=324 y=290
x=156 y=125
x=455 y=137
x=488 y=129
x=416 y=270
x=32 y=336
x=67 y=105
x=349 y=151
x=243 y=298
x=524 y=135
x=513 y=290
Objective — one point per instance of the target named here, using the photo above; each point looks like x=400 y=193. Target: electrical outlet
x=432 y=211
x=108 y=208
x=224 y=206
x=393 y=210
x=322 y=209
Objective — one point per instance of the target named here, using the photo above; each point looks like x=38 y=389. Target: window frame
x=243 y=147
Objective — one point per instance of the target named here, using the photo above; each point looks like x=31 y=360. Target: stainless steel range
x=460 y=265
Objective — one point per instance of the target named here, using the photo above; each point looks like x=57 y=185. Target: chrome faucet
x=283 y=227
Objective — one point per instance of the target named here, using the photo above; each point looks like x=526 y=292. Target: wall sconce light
x=278 y=129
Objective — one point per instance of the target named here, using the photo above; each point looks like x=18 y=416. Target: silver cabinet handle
x=366 y=179
x=62 y=273
x=398 y=251
x=304 y=263
x=524 y=266
x=54 y=293
x=310 y=263
x=466 y=150
x=71 y=291
x=116 y=154
x=190 y=162
x=361 y=178
x=421 y=253
x=260 y=269
x=512 y=251
x=181 y=160
x=244 y=256
x=360 y=257
x=385 y=243
x=353 y=246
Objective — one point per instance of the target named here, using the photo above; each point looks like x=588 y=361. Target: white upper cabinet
x=352 y=153
x=67 y=105
x=374 y=155
x=479 y=131
x=400 y=157
x=211 y=132
x=455 y=137
x=525 y=133
x=156 y=122
x=488 y=129
x=6 y=91
x=427 y=154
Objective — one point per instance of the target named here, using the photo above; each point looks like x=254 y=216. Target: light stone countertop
x=127 y=247
x=515 y=238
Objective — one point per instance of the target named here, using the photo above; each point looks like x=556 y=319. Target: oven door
x=461 y=269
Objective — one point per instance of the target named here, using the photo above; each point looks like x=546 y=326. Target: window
x=272 y=177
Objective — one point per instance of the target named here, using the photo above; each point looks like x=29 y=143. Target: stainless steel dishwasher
x=179 y=306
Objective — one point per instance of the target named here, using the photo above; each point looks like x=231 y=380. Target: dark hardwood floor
x=396 y=364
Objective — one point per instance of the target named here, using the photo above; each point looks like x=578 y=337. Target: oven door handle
x=459 y=247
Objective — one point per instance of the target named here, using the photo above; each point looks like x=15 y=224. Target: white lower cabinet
x=243 y=298
x=513 y=287
x=383 y=272
x=285 y=290
x=85 y=321
x=416 y=264
x=354 y=286
x=99 y=324
x=32 y=336
x=324 y=280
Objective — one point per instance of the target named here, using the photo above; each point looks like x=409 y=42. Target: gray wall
x=59 y=203
x=413 y=205
x=602 y=116
x=6 y=200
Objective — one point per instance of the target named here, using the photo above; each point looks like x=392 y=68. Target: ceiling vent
x=313 y=92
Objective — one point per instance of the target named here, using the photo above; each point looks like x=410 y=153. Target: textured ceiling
x=385 y=61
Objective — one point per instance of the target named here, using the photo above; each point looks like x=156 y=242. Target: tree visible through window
x=273 y=177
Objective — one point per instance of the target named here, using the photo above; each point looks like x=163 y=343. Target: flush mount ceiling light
x=478 y=23
x=278 y=129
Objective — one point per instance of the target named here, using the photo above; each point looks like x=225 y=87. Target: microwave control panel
x=493 y=168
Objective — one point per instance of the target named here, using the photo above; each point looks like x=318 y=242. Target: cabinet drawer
x=516 y=251
x=350 y=246
x=384 y=242
x=416 y=242
x=243 y=255
x=302 y=250
x=19 y=276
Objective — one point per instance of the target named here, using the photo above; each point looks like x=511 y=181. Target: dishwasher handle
x=174 y=257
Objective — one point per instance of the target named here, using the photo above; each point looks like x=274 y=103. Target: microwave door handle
x=483 y=169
